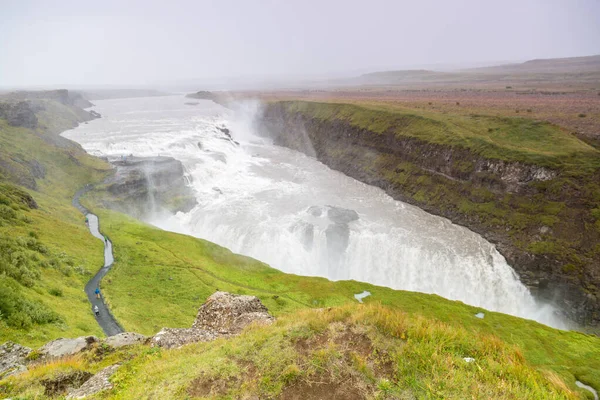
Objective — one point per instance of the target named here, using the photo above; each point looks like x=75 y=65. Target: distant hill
x=104 y=94
x=546 y=66
x=581 y=70
x=402 y=76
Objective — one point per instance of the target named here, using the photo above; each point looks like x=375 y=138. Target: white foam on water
x=254 y=198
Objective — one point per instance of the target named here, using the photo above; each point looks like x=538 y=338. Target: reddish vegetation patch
x=576 y=111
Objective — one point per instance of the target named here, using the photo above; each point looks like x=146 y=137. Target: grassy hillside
x=350 y=352
x=457 y=166
x=512 y=139
x=160 y=278
x=46 y=252
x=400 y=344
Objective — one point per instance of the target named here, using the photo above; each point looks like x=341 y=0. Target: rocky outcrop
x=20 y=114
x=124 y=339
x=176 y=337
x=218 y=98
x=13 y=359
x=227 y=313
x=65 y=347
x=95 y=384
x=394 y=162
x=202 y=95
x=143 y=185
x=222 y=315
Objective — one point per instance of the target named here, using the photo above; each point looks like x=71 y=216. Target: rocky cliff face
x=20 y=113
x=446 y=181
x=143 y=185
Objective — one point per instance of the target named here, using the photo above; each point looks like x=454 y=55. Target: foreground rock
x=176 y=337
x=222 y=315
x=66 y=347
x=228 y=313
x=13 y=358
x=124 y=339
x=95 y=384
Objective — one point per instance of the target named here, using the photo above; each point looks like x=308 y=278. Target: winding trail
x=106 y=320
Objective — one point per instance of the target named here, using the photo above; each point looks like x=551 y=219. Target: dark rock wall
x=359 y=153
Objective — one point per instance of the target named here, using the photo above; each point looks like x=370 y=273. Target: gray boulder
x=341 y=215
x=66 y=347
x=12 y=359
x=95 y=384
x=227 y=313
x=124 y=339
x=176 y=337
x=222 y=315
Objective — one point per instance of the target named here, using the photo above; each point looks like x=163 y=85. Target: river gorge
x=289 y=210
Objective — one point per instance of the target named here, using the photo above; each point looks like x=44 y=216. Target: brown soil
x=323 y=387
x=204 y=386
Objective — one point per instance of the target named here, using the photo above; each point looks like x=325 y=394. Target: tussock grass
x=357 y=351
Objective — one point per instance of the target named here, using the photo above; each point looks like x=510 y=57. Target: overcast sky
x=81 y=42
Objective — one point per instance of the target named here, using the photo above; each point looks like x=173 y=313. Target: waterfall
x=294 y=213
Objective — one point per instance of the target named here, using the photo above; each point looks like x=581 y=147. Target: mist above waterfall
x=294 y=213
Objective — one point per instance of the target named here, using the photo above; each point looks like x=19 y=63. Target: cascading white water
x=299 y=216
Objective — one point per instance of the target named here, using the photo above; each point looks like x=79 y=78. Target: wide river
x=293 y=212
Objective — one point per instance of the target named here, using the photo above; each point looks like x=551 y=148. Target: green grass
x=503 y=138
x=47 y=250
x=160 y=278
x=553 y=219
x=363 y=350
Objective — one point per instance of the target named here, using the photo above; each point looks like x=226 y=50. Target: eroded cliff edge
x=542 y=217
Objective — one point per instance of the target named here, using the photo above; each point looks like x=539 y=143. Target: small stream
x=588 y=388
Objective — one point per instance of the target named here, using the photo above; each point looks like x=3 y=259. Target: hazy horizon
x=73 y=43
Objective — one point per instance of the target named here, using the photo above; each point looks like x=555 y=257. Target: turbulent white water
x=277 y=205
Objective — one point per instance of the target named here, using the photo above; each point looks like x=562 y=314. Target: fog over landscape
x=300 y=199
x=150 y=43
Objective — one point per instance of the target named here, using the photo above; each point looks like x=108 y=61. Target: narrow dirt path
x=106 y=320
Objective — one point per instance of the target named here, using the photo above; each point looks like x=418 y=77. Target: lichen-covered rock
x=124 y=339
x=176 y=337
x=95 y=384
x=222 y=315
x=227 y=313
x=12 y=358
x=66 y=347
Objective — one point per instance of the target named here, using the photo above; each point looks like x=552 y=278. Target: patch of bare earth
x=204 y=386
x=323 y=387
